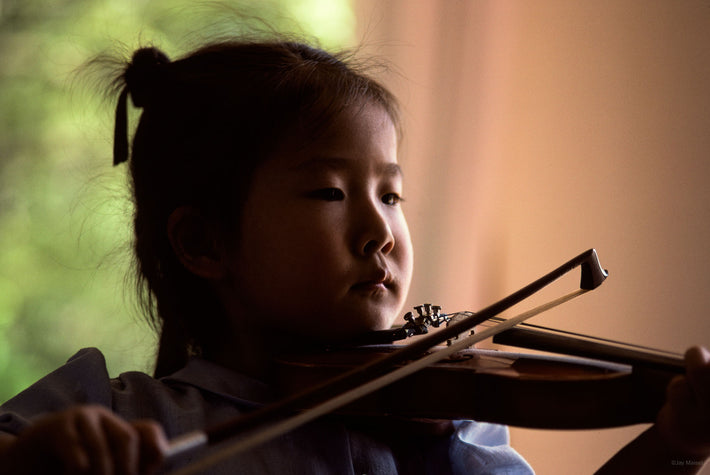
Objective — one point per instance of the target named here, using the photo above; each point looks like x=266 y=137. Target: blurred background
x=533 y=131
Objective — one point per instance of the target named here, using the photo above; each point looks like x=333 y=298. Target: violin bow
x=263 y=424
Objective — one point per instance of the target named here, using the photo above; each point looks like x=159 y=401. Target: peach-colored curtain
x=536 y=130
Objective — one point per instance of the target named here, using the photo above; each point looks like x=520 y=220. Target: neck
x=253 y=351
x=246 y=352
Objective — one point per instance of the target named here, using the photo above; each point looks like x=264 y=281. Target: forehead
x=338 y=164
x=358 y=133
x=360 y=123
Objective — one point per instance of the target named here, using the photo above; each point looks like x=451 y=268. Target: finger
x=71 y=453
x=697 y=357
x=679 y=393
x=53 y=441
x=92 y=438
x=124 y=444
x=153 y=445
x=698 y=373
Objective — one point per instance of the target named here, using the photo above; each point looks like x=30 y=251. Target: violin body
x=535 y=391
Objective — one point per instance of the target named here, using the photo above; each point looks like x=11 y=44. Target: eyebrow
x=339 y=163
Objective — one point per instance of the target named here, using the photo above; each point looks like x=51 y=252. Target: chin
x=350 y=332
x=382 y=320
x=347 y=320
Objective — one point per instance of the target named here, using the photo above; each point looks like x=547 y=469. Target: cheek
x=404 y=249
x=292 y=246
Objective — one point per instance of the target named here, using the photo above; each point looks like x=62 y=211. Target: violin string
x=594 y=338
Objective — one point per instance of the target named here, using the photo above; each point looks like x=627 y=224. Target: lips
x=380 y=280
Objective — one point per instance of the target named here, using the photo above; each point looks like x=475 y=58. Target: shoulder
x=83 y=379
x=200 y=394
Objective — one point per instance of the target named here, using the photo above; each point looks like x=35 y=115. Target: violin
x=424 y=379
x=516 y=389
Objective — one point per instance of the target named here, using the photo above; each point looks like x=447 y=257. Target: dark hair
x=209 y=119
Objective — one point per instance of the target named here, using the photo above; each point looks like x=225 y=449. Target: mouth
x=382 y=282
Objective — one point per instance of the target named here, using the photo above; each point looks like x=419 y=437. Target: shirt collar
x=208 y=376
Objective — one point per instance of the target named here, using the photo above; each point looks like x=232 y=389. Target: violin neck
x=589 y=347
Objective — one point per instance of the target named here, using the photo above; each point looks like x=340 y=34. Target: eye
x=391 y=199
x=328 y=194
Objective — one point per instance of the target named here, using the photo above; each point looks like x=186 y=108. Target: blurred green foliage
x=65 y=213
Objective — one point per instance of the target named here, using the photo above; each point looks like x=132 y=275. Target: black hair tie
x=141 y=78
x=120 y=131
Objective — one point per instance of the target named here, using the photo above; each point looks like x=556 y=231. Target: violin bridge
x=457 y=317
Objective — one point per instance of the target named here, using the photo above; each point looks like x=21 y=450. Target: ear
x=197 y=243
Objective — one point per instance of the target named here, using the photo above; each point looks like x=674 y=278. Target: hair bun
x=143 y=74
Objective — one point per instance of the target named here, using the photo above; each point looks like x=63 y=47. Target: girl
x=267 y=218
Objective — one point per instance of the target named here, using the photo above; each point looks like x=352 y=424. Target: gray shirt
x=203 y=394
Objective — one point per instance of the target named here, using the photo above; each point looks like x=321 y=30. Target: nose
x=374 y=232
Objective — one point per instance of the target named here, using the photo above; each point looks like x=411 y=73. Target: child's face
x=324 y=250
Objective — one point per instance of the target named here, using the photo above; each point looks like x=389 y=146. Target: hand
x=84 y=439
x=684 y=421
